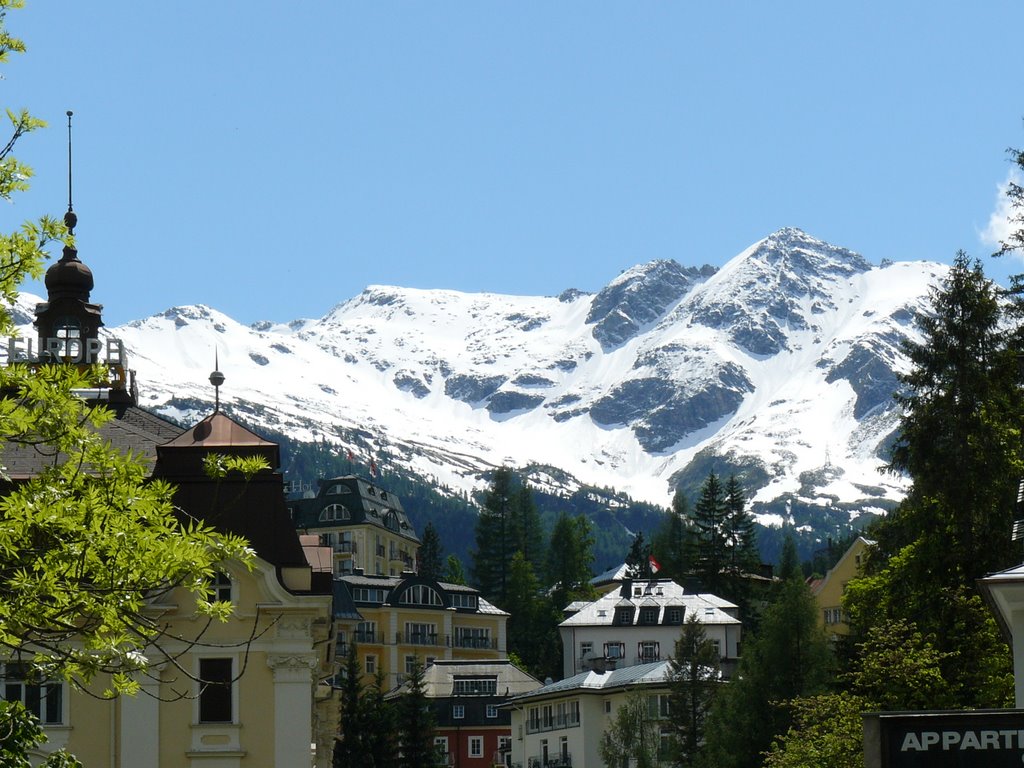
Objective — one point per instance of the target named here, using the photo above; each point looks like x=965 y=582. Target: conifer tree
x=415 y=723
x=380 y=721
x=740 y=533
x=350 y=745
x=694 y=680
x=669 y=543
x=526 y=532
x=494 y=545
x=569 y=557
x=708 y=545
x=453 y=571
x=430 y=553
x=638 y=561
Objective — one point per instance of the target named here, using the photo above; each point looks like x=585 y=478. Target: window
x=420 y=634
x=586 y=648
x=369 y=595
x=338 y=490
x=472 y=637
x=476 y=746
x=410 y=664
x=673 y=615
x=648 y=650
x=220 y=587
x=492 y=710
x=215 y=678
x=334 y=513
x=563 y=748
x=371 y=664
x=420 y=594
x=648 y=615
x=607 y=706
x=614 y=650
x=461 y=600
x=475 y=686
x=43 y=699
x=623 y=617
x=504 y=743
x=441 y=747
x=458 y=712
x=657 y=705
x=366 y=632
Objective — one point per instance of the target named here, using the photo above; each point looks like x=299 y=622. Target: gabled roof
x=439 y=677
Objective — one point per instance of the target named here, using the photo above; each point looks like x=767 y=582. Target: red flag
x=655 y=565
x=350 y=456
x=373 y=467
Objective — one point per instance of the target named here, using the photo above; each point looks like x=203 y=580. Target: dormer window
x=68 y=333
x=219 y=588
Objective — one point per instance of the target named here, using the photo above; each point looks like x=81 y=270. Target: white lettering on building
x=923 y=741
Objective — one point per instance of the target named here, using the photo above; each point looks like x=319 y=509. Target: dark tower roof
x=69 y=278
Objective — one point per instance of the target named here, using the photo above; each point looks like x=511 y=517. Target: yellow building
x=828 y=592
x=395 y=620
x=241 y=694
x=364 y=525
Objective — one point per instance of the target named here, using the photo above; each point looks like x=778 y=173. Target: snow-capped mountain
x=780 y=365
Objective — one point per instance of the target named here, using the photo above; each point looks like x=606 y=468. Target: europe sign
x=979 y=739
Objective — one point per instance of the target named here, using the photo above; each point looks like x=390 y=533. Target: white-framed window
x=370 y=664
x=492 y=710
x=219 y=588
x=458 y=712
x=366 y=632
x=463 y=600
x=473 y=637
x=475 y=686
x=43 y=698
x=334 y=513
x=216 y=690
x=648 y=650
x=441 y=747
x=505 y=744
x=419 y=633
x=476 y=746
x=586 y=648
x=410 y=664
x=420 y=594
x=614 y=650
x=673 y=615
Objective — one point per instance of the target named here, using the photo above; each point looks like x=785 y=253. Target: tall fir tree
x=380 y=720
x=350 y=745
x=694 y=681
x=707 y=550
x=787 y=658
x=669 y=542
x=527 y=534
x=638 y=561
x=494 y=544
x=430 y=554
x=415 y=723
x=570 y=555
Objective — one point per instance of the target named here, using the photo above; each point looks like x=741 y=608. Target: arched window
x=421 y=594
x=334 y=513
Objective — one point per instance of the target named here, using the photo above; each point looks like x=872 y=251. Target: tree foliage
x=570 y=554
x=415 y=723
x=669 y=542
x=633 y=737
x=430 y=554
x=694 y=681
x=88 y=541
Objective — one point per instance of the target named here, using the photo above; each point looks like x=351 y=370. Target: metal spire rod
x=70 y=113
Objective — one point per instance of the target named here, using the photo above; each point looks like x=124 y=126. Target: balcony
x=482 y=643
x=419 y=638
x=364 y=637
x=345 y=547
x=555 y=761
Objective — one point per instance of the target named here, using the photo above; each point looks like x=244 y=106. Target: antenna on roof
x=216 y=378
x=70 y=219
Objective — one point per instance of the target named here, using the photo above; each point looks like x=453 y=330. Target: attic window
x=333 y=513
x=384 y=495
x=371 y=490
x=338 y=490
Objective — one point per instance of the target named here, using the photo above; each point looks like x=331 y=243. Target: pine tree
x=638 y=561
x=669 y=543
x=526 y=532
x=430 y=554
x=694 y=680
x=787 y=658
x=350 y=746
x=494 y=545
x=415 y=723
x=708 y=545
x=380 y=720
x=569 y=557
x=740 y=533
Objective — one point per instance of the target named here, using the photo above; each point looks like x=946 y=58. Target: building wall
x=727 y=636
x=829 y=592
x=277 y=642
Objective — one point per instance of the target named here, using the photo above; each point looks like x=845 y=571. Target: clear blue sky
x=273 y=158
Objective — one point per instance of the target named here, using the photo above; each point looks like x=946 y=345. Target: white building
x=560 y=725
x=639 y=623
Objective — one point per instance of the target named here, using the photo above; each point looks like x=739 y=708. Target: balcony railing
x=468 y=641
x=553 y=761
x=345 y=547
x=364 y=637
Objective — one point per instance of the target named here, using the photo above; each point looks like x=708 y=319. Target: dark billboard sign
x=980 y=739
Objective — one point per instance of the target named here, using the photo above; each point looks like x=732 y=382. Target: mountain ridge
x=780 y=366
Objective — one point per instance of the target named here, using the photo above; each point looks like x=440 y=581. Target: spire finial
x=70 y=219
x=216 y=378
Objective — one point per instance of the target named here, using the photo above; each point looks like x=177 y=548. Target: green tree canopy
x=694 y=681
